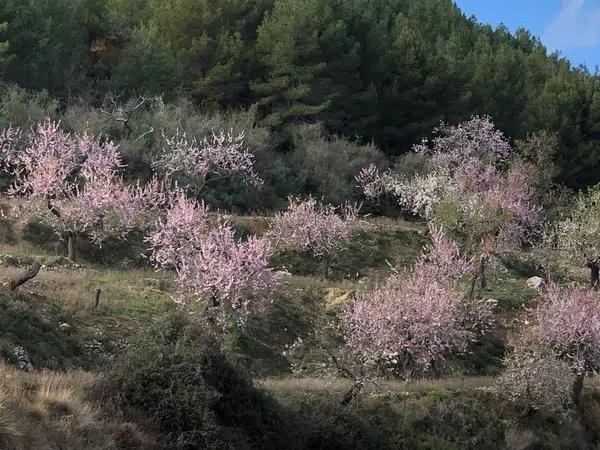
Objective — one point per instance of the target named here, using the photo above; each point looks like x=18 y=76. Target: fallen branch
x=25 y=277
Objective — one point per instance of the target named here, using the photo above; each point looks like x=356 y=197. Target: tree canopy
x=385 y=71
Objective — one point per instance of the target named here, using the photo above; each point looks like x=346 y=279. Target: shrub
x=178 y=374
x=535 y=377
x=22 y=108
x=332 y=162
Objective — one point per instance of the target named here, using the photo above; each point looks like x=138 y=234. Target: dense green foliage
x=383 y=71
x=179 y=375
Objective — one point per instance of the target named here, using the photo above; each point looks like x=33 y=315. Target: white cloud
x=576 y=26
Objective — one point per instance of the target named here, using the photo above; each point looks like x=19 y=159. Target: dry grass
x=54 y=411
x=394 y=387
x=382 y=221
x=76 y=287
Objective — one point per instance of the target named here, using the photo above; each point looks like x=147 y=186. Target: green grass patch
x=22 y=324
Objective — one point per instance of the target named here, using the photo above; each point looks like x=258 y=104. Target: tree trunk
x=482 y=278
x=353 y=392
x=53 y=209
x=577 y=389
x=70 y=239
x=97 y=299
x=25 y=277
x=326 y=264
x=71 y=247
x=594 y=275
x=473 y=282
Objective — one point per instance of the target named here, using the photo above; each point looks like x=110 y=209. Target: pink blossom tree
x=76 y=177
x=534 y=376
x=311 y=227
x=408 y=325
x=44 y=170
x=569 y=322
x=214 y=268
x=575 y=238
x=223 y=155
x=477 y=189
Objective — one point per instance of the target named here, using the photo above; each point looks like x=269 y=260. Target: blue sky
x=569 y=26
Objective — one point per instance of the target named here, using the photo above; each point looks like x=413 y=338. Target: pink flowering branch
x=408 y=325
x=221 y=155
x=310 y=227
x=44 y=170
x=9 y=138
x=212 y=266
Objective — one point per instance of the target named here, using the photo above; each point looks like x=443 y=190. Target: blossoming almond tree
x=408 y=325
x=75 y=176
x=569 y=322
x=533 y=375
x=477 y=189
x=221 y=156
x=214 y=268
x=576 y=237
x=418 y=316
x=311 y=227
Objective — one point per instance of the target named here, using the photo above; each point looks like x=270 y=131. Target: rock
x=26 y=366
x=496 y=267
x=23 y=359
x=284 y=274
x=65 y=327
x=535 y=283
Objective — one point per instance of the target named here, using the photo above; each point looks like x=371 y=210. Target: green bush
x=331 y=163
x=7 y=233
x=178 y=374
x=24 y=109
x=23 y=325
x=41 y=233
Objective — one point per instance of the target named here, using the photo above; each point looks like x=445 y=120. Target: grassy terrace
x=460 y=410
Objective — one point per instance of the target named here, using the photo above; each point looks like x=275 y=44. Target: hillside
x=54 y=321
x=407 y=66
x=295 y=224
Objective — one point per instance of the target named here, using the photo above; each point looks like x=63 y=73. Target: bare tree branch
x=25 y=277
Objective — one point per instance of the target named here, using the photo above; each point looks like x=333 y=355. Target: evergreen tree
x=4 y=55
x=50 y=42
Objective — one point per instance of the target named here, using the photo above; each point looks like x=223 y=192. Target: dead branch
x=25 y=277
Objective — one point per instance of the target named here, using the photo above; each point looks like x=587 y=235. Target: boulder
x=23 y=359
x=496 y=267
x=535 y=283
